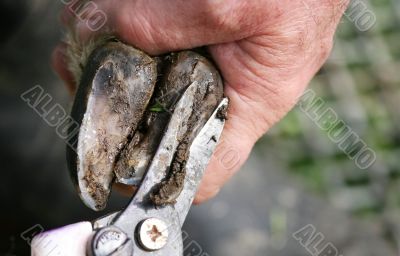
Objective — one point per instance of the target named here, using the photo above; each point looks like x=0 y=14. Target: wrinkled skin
x=266 y=50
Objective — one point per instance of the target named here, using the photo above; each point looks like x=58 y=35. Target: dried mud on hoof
x=123 y=104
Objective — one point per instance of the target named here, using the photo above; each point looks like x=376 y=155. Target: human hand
x=267 y=52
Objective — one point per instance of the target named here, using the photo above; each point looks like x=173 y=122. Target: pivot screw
x=153 y=234
x=111 y=241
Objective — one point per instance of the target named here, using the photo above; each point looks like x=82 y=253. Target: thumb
x=159 y=26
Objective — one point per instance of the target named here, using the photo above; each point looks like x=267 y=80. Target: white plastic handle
x=70 y=240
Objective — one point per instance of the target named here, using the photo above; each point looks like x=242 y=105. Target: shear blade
x=139 y=209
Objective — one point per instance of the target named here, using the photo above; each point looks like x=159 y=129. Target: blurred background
x=295 y=176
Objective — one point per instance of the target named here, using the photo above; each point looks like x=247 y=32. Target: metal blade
x=201 y=152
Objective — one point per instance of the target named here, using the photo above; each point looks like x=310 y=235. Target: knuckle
x=224 y=15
